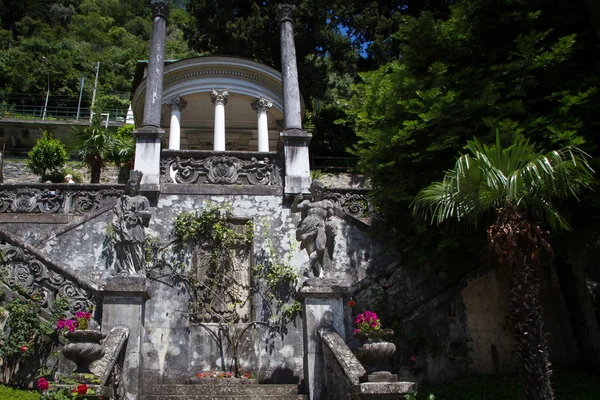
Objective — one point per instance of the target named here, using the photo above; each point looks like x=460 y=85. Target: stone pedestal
x=124 y=305
x=147 y=157
x=322 y=306
x=297 y=163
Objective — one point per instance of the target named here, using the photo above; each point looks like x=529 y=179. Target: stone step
x=222 y=392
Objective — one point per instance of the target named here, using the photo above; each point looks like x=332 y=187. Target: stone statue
x=131 y=216
x=316 y=231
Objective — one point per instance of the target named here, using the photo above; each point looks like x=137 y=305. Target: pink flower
x=43 y=384
x=24 y=349
x=351 y=303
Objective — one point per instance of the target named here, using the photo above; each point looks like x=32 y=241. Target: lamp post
x=45 y=61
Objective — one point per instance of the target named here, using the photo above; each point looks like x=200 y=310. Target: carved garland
x=26 y=200
x=223 y=170
x=25 y=270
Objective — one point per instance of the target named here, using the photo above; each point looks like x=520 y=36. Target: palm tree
x=520 y=184
x=92 y=143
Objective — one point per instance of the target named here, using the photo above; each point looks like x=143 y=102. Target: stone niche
x=224 y=283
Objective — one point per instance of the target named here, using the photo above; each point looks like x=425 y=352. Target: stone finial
x=219 y=97
x=160 y=8
x=285 y=12
x=176 y=103
x=261 y=105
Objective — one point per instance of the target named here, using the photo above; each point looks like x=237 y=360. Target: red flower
x=24 y=349
x=43 y=384
x=82 y=389
x=351 y=303
x=413 y=359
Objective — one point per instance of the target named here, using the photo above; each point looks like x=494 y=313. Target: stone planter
x=375 y=351
x=84 y=348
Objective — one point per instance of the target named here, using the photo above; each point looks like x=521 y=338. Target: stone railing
x=341 y=369
x=354 y=202
x=200 y=167
x=346 y=379
x=25 y=268
x=60 y=198
x=109 y=367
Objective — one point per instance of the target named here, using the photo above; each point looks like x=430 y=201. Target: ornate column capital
x=160 y=8
x=176 y=103
x=285 y=12
x=219 y=96
x=261 y=105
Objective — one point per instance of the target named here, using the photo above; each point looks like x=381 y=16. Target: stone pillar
x=292 y=110
x=295 y=140
x=147 y=148
x=124 y=304
x=219 y=99
x=176 y=104
x=261 y=106
x=322 y=305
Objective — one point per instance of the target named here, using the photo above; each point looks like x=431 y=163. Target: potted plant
x=84 y=344
x=375 y=350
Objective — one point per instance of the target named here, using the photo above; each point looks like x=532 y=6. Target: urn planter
x=83 y=348
x=375 y=351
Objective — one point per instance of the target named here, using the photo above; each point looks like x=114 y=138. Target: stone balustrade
x=200 y=167
x=76 y=199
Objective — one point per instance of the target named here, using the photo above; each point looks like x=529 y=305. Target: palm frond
x=490 y=177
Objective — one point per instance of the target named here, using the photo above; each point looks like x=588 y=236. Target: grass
x=8 y=393
x=567 y=385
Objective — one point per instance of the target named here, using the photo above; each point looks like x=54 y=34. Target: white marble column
x=176 y=104
x=219 y=99
x=261 y=106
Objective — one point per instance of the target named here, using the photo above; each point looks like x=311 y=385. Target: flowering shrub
x=367 y=322
x=43 y=384
x=80 y=321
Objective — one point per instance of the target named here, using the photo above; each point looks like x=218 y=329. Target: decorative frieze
x=55 y=200
x=26 y=271
x=355 y=204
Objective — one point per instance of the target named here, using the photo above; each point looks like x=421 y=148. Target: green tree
x=92 y=145
x=122 y=152
x=48 y=158
x=521 y=184
x=527 y=68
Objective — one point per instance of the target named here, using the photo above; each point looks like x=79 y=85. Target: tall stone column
x=295 y=140
x=147 y=148
x=261 y=106
x=292 y=110
x=219 y=99
x=176 y=104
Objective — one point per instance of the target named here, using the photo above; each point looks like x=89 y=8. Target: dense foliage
x=73 y=35
x=525 y=68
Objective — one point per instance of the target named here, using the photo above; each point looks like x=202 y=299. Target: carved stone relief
x=27 y=271
x=225 y=292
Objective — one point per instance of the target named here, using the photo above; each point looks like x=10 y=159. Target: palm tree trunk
x=526 y=314
x=517 y=244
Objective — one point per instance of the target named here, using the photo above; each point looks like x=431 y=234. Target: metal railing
x=60 y=113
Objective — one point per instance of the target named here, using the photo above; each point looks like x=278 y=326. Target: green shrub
x=47 y=157
x=8 y=393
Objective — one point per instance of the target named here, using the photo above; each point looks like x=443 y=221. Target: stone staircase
x=222 y=392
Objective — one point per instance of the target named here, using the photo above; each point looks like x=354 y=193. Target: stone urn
x=375 y=351
x=83 y=348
